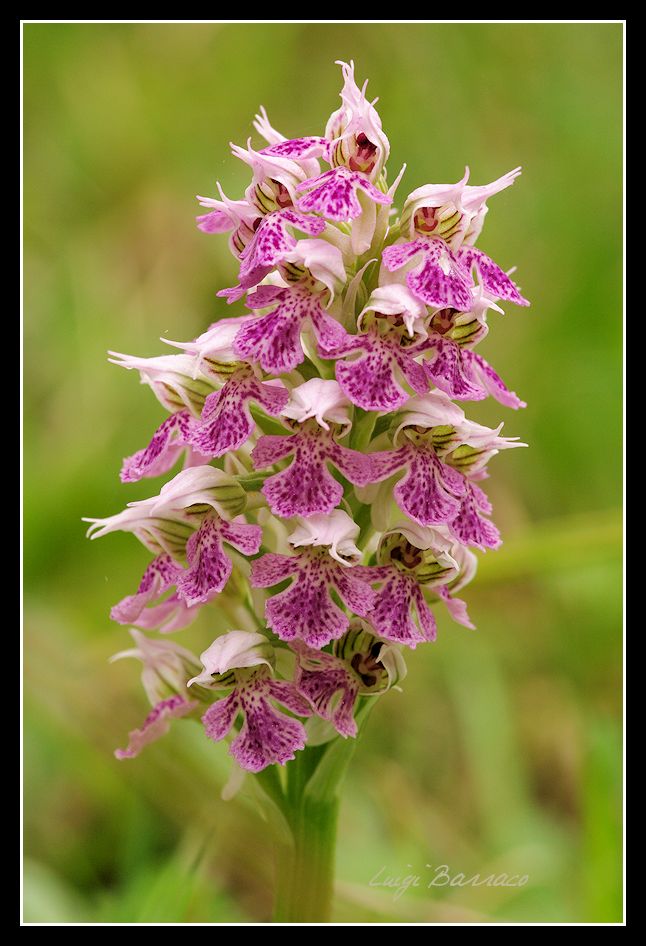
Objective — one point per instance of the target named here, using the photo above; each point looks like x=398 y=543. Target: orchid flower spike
x=325 y=498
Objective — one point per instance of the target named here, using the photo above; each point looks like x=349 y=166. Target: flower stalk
x=305 y=867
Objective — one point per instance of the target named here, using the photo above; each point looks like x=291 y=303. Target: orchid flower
x=330 y=497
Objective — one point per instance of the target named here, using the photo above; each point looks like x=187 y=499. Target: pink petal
x=383 y=463
x=160 y=575
x=285 y=693
x=271 y=448
x=273 y=340
x=329 y=333
x=439 y=279
x=237 y=292
x=455 y=606
x=220 y=716
x=226 y=421
x=168 y=442
x=429 y=491
x=305 y=610
x=469 y=526
x=242 y=536
x=272 y=569
x=433 y=286
x=306 y=486
x=263 y=296
x=357 y=467
x=452 y=372
x=267 y=736
x=492 y=277
x=334 y=194
x=331 y=690
x=215 y=222
x=397 y=600
x=155 y=725
x=492 y=383
x=371 y=381
x=394 y=257
x=170 y=615
x=299 y=148
x=355 y=593
x=272 y=241
x=208 y=567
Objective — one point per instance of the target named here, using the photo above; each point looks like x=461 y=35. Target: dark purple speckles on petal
x=371 y=381
x=400 y=613
x=305 y=610
x=271 y=569
x=272 y=241
x=334 y=194
x=226 y=421
x=161 y=574
x=429 y=492
x=220 y=716
x=465 y=375
x=299 y=148
x=450 y=370
x=329 y=687
x=274 y=340
x=169 y=441
x=306 y=487
x=208 y=567
x=470 y=526
x=267 y=736
x=439 y=279
x=492 y=277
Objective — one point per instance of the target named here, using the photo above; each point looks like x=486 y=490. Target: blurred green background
x=503 y=753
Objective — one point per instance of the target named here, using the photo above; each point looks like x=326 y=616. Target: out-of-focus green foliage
x=503 y=751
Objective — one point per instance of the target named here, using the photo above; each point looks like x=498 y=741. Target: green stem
x=366 y=528
x=305 y=881
x=364 y=424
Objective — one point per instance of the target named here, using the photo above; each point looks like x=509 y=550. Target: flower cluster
x=331 y=489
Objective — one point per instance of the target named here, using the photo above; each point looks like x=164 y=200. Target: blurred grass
x=503 y=752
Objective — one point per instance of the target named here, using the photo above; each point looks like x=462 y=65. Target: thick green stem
x=305 y=868
x=305 y=881
x=306 y=803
